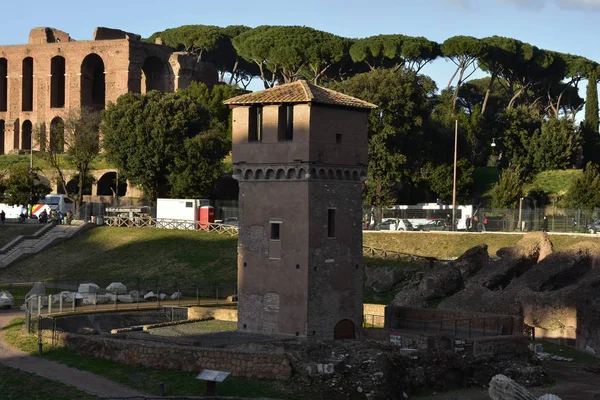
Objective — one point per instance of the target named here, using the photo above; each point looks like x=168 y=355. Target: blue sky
x=563 y=25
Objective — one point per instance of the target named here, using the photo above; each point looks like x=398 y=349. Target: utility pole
x=454 y=183
x=520 y=213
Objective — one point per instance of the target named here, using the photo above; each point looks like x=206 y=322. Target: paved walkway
x=85 y=381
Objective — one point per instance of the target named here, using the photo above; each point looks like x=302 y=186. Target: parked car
x=433 y=225
x=593 y=227
x=395 y=224
x=232 y=221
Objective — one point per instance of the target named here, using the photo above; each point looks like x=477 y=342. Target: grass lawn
x=556 y=182
x=124 y=254
x=569 y=352
x=20 y=385
x=444 y=245
x=10 y=231
x=145 y=380
x=38 y=161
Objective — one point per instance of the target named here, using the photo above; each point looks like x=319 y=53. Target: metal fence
x=61 y=296
x=526 y=219
x=460 y=328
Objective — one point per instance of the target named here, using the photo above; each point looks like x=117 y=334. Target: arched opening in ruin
x=26 y=137
x=344 y=330
x=154 y=75
x=57 y=82
x=57 y=135
x=107 y=185
x=3 y=84
x=2 y=136
x=27 y=87
x=16 y=135
x=93 y=84
x=73 y=186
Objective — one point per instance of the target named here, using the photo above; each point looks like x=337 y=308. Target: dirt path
x=85 y=381
x=572 y=383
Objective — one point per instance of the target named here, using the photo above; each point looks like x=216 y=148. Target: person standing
x=545 y=224
x=468 y=223
x=484 y=222
x=2 y=217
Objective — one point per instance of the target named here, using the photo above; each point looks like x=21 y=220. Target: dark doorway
x=344 y=330
x=27 y=87
x=93 y=85
x=1 y=136
x=3 y=84
x=26 y=136
x=107 y=185
x=57 y=82
x=57 y=135
x=154 y=75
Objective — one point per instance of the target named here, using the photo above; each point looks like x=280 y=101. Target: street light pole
x=454 y=183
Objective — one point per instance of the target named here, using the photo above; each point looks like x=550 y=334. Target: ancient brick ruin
x=42 y=80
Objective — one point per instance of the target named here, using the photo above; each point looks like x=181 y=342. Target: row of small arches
x=302 y=173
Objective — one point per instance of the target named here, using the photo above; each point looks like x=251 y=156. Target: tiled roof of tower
x=300 y=92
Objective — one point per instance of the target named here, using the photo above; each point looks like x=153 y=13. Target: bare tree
x=78 y=138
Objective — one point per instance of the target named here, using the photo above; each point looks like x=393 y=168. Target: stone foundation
x=181 y=358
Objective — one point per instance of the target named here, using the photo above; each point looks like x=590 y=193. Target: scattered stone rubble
x=504 y=388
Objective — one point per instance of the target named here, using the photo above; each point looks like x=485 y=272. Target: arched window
x=154 y=75
x=3 y=84
x=57 y=135
x=26 y=136
x=93 y=85
x=27 y=87
x=57 y=82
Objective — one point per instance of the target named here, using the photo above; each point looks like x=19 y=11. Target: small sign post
x=212 y=377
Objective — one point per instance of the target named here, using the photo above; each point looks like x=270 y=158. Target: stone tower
x=300 y=156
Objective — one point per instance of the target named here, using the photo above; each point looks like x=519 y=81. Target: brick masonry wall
x=181 y=358
x=221 y=314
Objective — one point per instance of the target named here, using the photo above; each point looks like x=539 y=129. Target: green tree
x=211 y=100
x=396 y=128
x=161 y=143
x=584 y=191
x=555 y=146
x=394 y=51
x=464 y=52
x=441 y=180
x=22 y=186
x=79 y=138
x=196 y=170
x=509 y=189
x=287 y=53
x=591 y=103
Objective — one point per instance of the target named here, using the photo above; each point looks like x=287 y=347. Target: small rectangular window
x=189 y=204
x=285 y=129
x=255 y=124
x=275 y=230
x=331 y=222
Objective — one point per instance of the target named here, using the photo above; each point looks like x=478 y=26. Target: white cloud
x=593 y=5
x=576 y=5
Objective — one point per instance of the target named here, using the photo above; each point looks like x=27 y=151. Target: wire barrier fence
x=58 y=297
x=461 y=328
x=509 y=220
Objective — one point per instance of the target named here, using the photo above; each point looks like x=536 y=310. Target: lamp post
x=454 y=178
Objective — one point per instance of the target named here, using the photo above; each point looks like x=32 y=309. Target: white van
x=53 y=201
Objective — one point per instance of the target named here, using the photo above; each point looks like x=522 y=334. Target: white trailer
x=179 y=209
